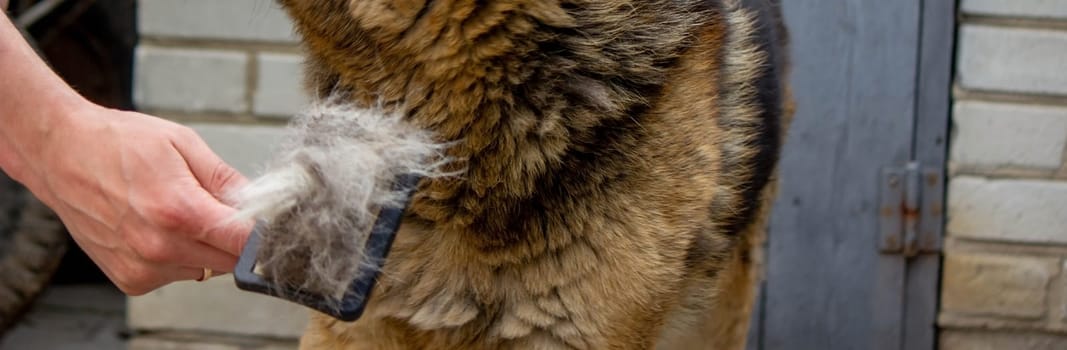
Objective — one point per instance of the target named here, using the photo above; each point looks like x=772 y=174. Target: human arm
x=139 y=194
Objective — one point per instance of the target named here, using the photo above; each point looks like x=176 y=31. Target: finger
x=188 y=274
x=217 y=227
x=191 y=254
x=162 y=276
x=144 y=278
x=218 y=261
x=176 y=247
x=217 y=177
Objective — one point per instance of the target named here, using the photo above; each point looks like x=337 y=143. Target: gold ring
x=205 y=276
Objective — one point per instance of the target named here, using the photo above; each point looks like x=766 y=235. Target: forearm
x=33 y=100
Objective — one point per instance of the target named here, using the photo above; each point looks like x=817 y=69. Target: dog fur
x=618 y=161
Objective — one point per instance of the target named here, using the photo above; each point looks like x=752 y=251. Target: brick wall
x=231 y=70
x=1004 y=285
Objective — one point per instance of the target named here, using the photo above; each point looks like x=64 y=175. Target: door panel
x=855 y=77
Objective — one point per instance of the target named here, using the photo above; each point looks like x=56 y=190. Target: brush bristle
x=321 y=195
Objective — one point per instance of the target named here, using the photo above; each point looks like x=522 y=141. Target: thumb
x=218 y=227
x=214 y=175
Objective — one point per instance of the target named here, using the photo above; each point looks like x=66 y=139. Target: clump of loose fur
x=321 y=195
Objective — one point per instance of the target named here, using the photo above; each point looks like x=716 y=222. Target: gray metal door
x=853 y=252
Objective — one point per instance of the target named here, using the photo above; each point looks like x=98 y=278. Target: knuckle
x=184 y=133
x=223 y=175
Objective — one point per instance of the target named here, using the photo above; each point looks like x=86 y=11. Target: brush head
x=341 y=171
x=350 y=307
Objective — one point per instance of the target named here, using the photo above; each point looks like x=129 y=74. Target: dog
x=614 y=165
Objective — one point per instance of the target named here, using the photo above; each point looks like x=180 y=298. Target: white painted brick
x=190 y=80
x=279 y=89
x=1033 y=211
x=1013 y=59
x=996 y=285
x=257 y=20
x=996 y=134
x=245 y=147
x=1016 y=8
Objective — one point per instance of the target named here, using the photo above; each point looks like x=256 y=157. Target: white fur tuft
x=322 y=193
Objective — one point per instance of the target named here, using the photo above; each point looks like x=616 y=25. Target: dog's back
x=616 y=161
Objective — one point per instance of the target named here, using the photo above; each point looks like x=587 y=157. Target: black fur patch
x=769 y=99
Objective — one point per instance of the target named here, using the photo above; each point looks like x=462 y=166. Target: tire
x=32 y=243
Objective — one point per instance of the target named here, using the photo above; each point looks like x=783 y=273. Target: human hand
x=139 y=194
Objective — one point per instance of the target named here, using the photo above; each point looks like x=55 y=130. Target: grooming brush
x=352 y=304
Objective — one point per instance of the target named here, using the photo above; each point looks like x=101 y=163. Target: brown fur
x=617 y=158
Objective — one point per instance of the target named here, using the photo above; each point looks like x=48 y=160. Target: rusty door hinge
x=911 y=210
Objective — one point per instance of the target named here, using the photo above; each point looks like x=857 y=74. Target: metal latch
x=911 y=210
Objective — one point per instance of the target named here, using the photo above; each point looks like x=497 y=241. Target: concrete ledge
x=218 y=307
x=986 y=340
x=200 y=341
